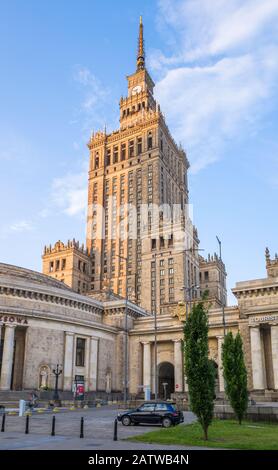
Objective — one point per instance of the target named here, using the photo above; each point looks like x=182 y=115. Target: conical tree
x=198 y=368
x=235 y=374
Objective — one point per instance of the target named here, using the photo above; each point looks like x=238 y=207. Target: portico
x=11 y=353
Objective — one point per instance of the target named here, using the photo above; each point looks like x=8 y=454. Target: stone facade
x=68 y=263
x=41 y=321
x=80 y=313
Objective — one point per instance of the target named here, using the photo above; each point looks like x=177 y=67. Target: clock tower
x=134 y=172
x=140 y=89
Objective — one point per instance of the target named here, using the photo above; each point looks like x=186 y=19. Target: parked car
x=163 y=413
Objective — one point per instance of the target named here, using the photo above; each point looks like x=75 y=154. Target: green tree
x=199 y=369
x=235 y=374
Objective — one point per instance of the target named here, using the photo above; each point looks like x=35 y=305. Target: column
x=7 y=358
x=147 y=364
x=220 y=340
x=274 y=350
x=257 y=358
x=178 y=361
x=93 y=364
x=68 y=360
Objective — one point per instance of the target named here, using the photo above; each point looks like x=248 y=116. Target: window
x=161 y=407
x=115 y=155
x=108 y=157
x=206 y=275
x=64 y=262
x=147 y=407
x=80 y=352
x=171 y=261
x=131 y=148
x=96 y=161
x=150 y=141
x=123 y=152
x=171 y=271
x=57 y=266
x=139 y=145
x=153 y=243
x=51 y=266
x=161 y=262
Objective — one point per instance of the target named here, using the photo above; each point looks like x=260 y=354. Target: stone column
x=220 y=340
x=68 y=360
x=7 y=358
x=257 y=358
x=147 y=364
x=178 y=361
x=274 y=349
x=93 y=364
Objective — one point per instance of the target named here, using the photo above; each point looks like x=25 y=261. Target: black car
x=163 y=413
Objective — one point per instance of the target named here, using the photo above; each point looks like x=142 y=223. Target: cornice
x=56 y=317
x=53 y=298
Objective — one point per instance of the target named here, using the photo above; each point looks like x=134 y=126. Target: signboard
x=13 y=319
x=265 y=318
x=79 y=389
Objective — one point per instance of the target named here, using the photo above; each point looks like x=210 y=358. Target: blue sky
x=63 y=68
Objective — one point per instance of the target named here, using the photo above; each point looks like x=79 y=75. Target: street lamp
x=222 y=293
x=155 y=255
x=188 y=290
x=126 y=343
x=58 y=371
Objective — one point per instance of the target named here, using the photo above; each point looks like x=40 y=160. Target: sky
x=63 y=67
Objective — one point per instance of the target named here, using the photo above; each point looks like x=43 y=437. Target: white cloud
x=94 y=100
x=209 y=27
x=220 y=79
x=21 y=226
x=69 y=193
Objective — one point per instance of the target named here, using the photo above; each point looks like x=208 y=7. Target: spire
x=141 y=52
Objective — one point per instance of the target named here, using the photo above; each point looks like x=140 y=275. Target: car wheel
x=126 y=420
x=166 y=422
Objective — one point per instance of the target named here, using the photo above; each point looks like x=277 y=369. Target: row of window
x=128 y=111
x=121 y=152
x=57 y=265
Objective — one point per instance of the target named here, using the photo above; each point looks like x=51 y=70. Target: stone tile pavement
x=98 y=432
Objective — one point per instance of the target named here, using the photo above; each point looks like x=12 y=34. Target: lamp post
x=155 y=326
x=57 y=372
x=126 y=343
x=222 y=294
x=188 y=290
x=155 y=334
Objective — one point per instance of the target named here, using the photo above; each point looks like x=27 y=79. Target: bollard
x=115 y=438
x=53 y=426
x=27 y=425
x=82 y=428
x=3 y=422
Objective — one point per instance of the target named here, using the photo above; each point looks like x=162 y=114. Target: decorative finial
x=267 y=255
x=141 y=51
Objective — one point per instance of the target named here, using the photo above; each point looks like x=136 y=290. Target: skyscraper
x=139 y=231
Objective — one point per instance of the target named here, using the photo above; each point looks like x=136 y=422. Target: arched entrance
x=166 y=376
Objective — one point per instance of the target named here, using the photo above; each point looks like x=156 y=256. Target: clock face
x=136 y=90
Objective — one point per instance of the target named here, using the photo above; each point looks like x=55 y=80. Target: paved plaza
x=98 y=431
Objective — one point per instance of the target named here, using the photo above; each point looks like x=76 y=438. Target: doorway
x=166 y=380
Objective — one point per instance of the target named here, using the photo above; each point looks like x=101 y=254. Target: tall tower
x=138 y=230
